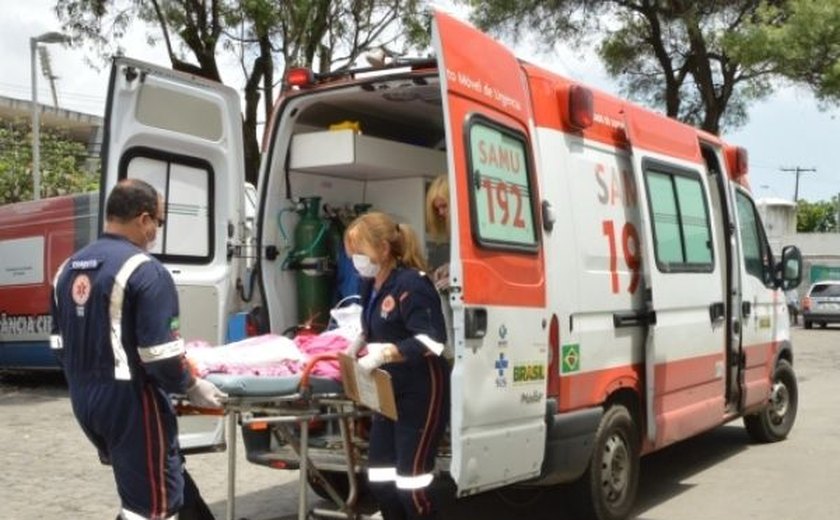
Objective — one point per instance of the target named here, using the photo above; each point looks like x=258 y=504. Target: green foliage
x=264 y=36
x=686 y=57
x=816 y=217
x=801 y=39
x=64 y=165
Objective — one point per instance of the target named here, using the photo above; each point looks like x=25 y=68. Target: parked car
x=821 y=304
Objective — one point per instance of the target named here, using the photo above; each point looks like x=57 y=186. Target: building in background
x=820 y=251
x=77 y=126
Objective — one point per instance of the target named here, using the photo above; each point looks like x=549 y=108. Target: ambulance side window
x=680 y=219
x=757 y=256
x=500 y=187
x=186 y=185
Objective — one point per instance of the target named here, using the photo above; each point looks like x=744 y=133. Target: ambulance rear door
x=183 y=135
x=497 y=274
x=683 y=280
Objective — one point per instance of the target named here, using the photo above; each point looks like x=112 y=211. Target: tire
x=808 y=324
x=607 y=490
x=775 y=422
x=823 y=324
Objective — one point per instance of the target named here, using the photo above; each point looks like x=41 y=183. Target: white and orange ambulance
x=612 y=290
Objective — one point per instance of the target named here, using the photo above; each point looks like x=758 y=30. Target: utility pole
x=798 y=171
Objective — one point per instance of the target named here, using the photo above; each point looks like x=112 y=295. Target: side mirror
x=789 y=270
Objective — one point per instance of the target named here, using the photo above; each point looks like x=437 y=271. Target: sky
x=787 y=130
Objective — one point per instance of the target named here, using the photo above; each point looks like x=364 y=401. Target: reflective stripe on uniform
x=55 y=342
x=121 y=370
x=125 y=514
x=382 y=474
x=415 y=482
x=164 y=351
x=429 y=343
x=55 y=280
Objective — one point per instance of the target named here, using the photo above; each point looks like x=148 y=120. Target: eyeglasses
x=159 y=221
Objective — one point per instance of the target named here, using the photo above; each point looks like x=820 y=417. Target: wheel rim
x=779 y=403
x=615 y=468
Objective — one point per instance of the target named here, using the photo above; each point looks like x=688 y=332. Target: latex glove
x=376 y=356
x=440 y=277
x=355 y=346
x=205 y=394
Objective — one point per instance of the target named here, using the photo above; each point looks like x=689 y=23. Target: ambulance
x=612 y=290
x=35 y=237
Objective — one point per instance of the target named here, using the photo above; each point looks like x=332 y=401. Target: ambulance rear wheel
x=775 y=422
x=608 y=488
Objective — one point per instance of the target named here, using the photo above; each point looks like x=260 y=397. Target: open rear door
x=497 y=273
x=183 y=135
x=683 y=277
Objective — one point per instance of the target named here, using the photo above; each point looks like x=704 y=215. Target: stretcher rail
x=309 y=400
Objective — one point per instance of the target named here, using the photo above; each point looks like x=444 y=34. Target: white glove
x=205 y=394
x=355 y=346
x=375 y=356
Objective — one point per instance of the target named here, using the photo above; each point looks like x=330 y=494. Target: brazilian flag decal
x=571 y=358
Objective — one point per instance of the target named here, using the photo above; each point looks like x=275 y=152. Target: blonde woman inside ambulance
x=437 y=229
x=404 y=334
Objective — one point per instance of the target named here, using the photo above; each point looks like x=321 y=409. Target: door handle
x=746 y=309
x=634 y=319
x=717 y=311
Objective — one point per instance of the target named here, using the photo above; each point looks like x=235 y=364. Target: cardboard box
x=373 y=389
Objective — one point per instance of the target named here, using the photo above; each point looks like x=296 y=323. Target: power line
x=797 y=170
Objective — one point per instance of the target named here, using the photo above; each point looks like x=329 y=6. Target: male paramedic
x=115 y=332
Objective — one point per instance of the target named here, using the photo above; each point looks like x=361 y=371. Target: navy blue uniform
x=406 y=311
x=116 y=309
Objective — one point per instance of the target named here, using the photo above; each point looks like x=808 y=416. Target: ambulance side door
x=683 y=270
x=760 y=306
x=183 y=135
x=497 y=274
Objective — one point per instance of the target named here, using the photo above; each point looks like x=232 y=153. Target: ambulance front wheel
x=775 y=422
x=608 y=488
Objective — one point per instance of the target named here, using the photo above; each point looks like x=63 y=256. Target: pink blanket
x=267 y=355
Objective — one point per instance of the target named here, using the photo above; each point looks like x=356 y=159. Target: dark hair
x=131 y=198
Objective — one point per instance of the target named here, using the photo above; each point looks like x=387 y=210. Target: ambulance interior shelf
x=347 y=153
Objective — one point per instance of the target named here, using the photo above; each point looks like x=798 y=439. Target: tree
x=683 y=55
x=802 y=39
x=65 y=165
x=816 y=217
x=319 y=34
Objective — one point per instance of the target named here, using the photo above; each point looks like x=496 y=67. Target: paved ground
x=50 y=471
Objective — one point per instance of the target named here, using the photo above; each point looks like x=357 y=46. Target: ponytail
x=410 y=248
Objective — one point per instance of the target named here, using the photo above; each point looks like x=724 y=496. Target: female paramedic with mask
x=404 y=329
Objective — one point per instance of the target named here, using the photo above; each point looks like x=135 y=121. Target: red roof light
x=301 y=77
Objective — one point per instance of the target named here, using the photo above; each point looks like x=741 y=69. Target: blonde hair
x=436 y=226
x=374 y=228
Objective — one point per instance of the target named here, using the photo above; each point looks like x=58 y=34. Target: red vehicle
x=35 y=237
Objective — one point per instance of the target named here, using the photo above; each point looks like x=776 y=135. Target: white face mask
x=364 y=266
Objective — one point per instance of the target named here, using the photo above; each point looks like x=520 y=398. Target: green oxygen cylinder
x=314 y=273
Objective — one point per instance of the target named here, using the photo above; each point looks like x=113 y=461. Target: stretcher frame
x=298 y=409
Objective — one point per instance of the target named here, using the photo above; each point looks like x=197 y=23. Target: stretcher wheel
x=338 y=480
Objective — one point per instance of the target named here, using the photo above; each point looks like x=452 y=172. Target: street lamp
x=47 y=37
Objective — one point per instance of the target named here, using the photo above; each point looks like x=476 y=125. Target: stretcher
x=288 y=406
